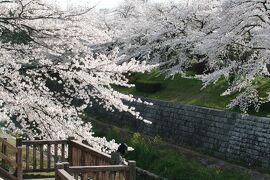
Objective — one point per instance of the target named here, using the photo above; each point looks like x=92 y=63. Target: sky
x=100 y=3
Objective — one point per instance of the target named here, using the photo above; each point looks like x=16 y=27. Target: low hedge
x=148 y=86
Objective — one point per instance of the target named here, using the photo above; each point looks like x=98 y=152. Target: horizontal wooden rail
x=6 y=158
x=88 y=163
x=120 y=172
x=7 y=175
x=44 y=142
x=105 y=172
x=86 y=169
x=86 y=148
x=83 y=155
x=5 y=142
x=15 y=160
x=46 y=155
x=42 y=155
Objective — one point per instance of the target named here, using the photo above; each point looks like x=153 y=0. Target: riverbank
x=172 y=161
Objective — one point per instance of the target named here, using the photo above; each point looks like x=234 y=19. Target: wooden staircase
x=69 y=159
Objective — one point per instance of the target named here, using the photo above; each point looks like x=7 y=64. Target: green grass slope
x=152 y=155
x=189 y=91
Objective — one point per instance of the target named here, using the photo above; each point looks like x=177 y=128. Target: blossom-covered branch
x=49 y=73
x=229 y=39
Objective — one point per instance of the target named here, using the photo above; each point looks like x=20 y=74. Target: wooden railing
x=61 y=174
x=107 y=172
x=87 y=163
x=42 y=156
x=70 y=159
x=83 y=155
x=11 y=158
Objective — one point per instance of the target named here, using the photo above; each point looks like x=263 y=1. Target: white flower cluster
x=231 y=37
x=49 y=74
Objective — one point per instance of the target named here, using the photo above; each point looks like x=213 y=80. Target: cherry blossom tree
x=49 y=73
x=230 y=37
x=237 y=45
x=162 y=33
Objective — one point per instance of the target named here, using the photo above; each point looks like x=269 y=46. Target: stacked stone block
x=231 y=136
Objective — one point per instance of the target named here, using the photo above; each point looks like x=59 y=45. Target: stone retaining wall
x=231 y=136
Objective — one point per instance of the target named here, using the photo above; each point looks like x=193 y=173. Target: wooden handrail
x=12 y=162
x=40 y=142
x=41 y=152
x=106 y=172
x=86 y=148
x=7 y=175
x=61 y=174
x=17 y=163
x=86 y=169
x=83 y=155
x=8 y=144
x=127 y=171
x=87 y=162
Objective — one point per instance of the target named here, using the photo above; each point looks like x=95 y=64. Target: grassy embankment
x=188 y=91
x=151 y=154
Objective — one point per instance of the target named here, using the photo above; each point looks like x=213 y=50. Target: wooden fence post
x=57 y=167
x=19 y=159
x=66 y=166
x=132 y=170
x=4 y=151
x=70 y=150
x=19 y=163
x=18 y=142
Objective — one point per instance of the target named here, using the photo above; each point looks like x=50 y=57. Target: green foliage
x=38 y=175
x=184 y=91
x=133 y=77
x=15 y=37
x=17 y=134
x=148 y=86
x=170 y=164
x=151 y=155
x=188 y=91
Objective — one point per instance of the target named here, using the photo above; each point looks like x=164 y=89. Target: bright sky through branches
x=99 y=3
